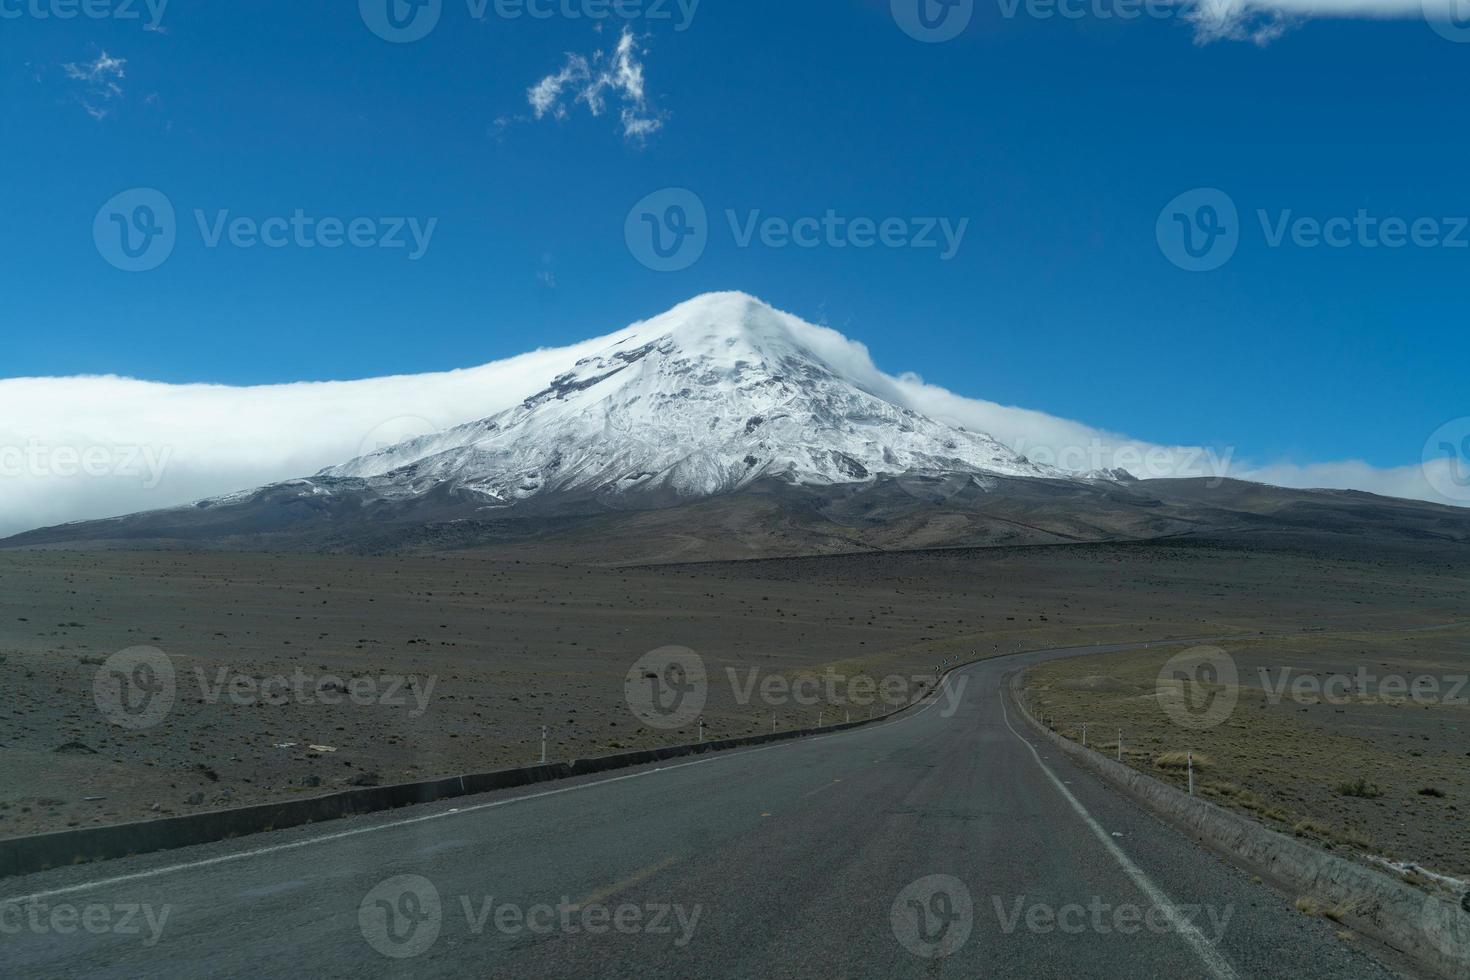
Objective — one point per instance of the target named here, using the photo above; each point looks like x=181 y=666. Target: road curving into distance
x=948 y=842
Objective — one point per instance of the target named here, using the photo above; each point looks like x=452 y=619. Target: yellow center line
x=636 y=877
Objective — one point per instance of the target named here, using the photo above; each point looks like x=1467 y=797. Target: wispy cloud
x=100 y=82
x=1263 y=21
x=595 y=80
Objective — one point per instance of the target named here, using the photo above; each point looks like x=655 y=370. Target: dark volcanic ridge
x=775 y=518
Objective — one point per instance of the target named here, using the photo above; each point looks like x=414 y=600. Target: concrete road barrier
x=1431 y=930
x=41 y=852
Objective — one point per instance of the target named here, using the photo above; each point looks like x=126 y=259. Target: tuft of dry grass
x=1320 y=830
x=1307 y=905
x=1360 y=789
x=1346 y=910
x=1181 y=760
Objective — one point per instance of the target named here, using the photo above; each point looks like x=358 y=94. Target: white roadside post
x=701 y=729
x=543 y=745
x=1120 y=745
x=1084 y=734
x=1190 y=760
x=819 y=719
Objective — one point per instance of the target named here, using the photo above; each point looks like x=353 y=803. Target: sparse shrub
x=1180 y=760
x=1359 y=788
x=1432 y=791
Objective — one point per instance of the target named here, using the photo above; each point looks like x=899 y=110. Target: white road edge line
x=1215 y=962
x=456 y=812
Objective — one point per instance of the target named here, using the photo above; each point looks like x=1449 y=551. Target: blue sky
x=1059 y=140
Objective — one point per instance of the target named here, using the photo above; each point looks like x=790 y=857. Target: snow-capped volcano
x=723 y=429
x=717 y=393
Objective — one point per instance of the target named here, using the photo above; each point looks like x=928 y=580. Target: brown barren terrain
x=461 y=658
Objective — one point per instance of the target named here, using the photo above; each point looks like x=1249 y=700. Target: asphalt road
x=947 y=843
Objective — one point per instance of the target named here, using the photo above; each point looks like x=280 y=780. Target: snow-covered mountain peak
x=707 y=398
x=732 y=331
x=725 y=326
